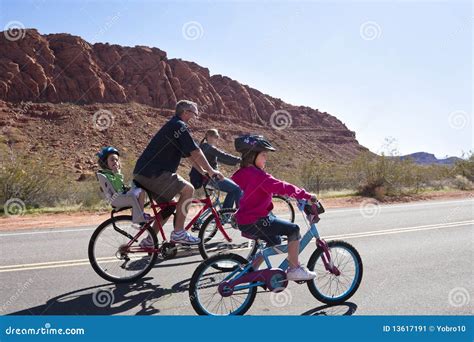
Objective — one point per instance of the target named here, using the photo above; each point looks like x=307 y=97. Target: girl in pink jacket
x=253 y=216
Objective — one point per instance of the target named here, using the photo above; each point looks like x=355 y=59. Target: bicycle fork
x=326 y=257
x=219 y=225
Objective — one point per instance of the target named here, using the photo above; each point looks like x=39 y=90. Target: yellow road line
x=52 y=263
x=80 y=262
x=400 y=230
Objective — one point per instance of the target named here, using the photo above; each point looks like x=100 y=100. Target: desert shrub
x=462 y=183
x=27 y=178
x=315 y=175
x=375 y=176
x=465 y=167
x=39 y=182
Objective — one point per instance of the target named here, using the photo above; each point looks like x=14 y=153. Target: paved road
x=417 y=260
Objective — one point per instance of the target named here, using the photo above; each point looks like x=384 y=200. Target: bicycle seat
x=148 y=192
x=138 y=185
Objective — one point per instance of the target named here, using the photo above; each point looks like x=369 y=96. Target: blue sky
x=399 y=69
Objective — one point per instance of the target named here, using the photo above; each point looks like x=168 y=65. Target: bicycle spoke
x=119 y=264
x=206 y=289
x=332 y=286
x=215 y=242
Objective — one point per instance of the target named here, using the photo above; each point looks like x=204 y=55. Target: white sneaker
x=185 y=238
x=300 y=273
x=137 y=226
x=146 y=242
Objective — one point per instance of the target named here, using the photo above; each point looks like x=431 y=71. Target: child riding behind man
x=118 y=194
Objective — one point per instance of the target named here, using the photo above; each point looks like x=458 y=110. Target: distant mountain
x=425 y=158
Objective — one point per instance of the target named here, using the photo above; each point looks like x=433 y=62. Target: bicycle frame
x=243 y=276
x=217 y=204
x=157 y=208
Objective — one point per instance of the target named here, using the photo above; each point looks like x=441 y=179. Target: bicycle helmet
x=252 y=143
x=104 y=154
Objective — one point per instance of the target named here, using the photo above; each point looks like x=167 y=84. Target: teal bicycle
x=213 y=240
x=226 y=284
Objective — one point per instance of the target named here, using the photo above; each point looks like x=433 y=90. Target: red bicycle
x=114 y=250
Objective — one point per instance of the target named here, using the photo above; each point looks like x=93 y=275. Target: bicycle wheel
x=213 y=241
x=203 y=287
x=329 y=288
x=283 y=208
x=108 y=257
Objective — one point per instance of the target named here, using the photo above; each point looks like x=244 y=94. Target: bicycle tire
x=291 y=209
x=210 y=263
x=205 y=239
x=312 y=285
x=93 y=259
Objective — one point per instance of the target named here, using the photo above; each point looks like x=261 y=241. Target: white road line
x=48 y=232
x=79 y=262
x=329 y=211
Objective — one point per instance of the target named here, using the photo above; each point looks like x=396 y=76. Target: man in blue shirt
x=156 y=168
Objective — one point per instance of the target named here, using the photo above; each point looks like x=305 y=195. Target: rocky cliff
x=55 y=69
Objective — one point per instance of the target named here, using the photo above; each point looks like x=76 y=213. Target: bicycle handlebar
x=301 y=204
x=208 y=178
x=311 y=209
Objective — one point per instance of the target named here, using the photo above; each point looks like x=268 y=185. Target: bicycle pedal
x=186 y=245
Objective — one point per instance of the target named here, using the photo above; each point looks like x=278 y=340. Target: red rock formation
x=51 y=86
x=64 y=68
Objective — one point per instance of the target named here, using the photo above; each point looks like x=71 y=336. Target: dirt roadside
x=78 y=219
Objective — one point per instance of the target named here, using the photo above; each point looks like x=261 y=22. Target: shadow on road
x=183 y=252
x=108 y=299
x=345 y=309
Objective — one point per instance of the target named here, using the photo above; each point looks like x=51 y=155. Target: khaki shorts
x=163 y=187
